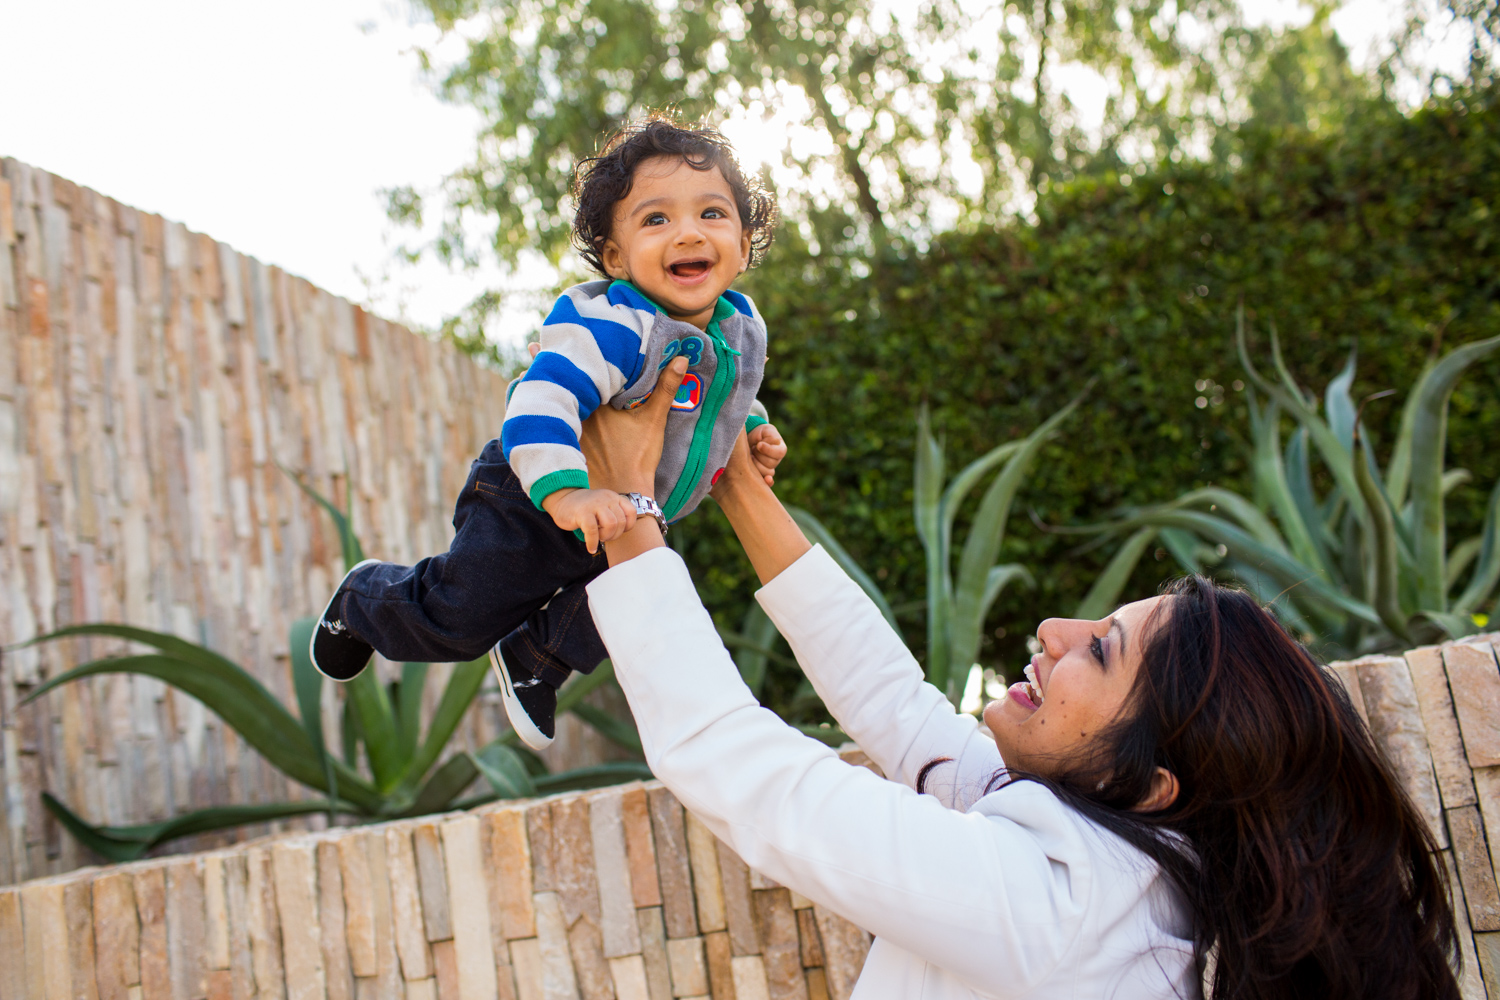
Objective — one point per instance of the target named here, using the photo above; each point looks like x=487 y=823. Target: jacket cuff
x=753 y=421
x=562 y=479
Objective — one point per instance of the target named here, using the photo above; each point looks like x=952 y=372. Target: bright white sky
x=271 y=125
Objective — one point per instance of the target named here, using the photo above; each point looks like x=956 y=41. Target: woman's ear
x=1163 y=793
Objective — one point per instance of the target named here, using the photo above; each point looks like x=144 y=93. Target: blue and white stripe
x=593 y=346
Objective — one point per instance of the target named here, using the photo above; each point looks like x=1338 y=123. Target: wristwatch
x=644 y=505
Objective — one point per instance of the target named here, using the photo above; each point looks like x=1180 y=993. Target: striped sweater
x=606 y=342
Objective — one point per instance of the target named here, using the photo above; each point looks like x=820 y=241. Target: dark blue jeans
x=510 y=576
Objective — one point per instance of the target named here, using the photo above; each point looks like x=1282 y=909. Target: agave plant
x=1367 y=565
x=381 y=723
x=956 y=605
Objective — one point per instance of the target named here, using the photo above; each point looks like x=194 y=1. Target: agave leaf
x=377 y=725
x=614 y=772
x=505 y=771
x=737 y=640
x=982 y=546
x=352 y=550
x=998 y=578
x=240 y=700
x=1455 y=626
x=349 y=734
x=927 y=486
x=582 y=685
x=409 y=708
x=1272 y=594
x=1339 y=405
x=1383 y=545
x=308 y=684
x=1274 y=482
x=1460 y=558
x=958 y=489
x=1429 y=440
x=458 y=695
x=1398 y=472
x=1487 y=562
x=128 y=843
x=1104 y=595
x=758 y=634
x=622 y=731
x=443 y=786
x=1237 y=507
x=817 y=532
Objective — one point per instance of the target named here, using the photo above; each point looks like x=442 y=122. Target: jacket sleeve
x=873 y=686
x=988 y=898
x=591 y=349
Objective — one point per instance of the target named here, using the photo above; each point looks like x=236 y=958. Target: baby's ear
x=613 y=259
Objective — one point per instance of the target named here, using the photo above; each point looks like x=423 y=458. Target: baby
x=669 y=220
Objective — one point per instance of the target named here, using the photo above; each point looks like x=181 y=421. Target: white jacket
x=1009 y=894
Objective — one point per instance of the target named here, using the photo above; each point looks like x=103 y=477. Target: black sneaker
x=530 y=703
x=337 y=653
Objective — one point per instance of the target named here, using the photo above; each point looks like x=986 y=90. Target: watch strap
x=644 y=505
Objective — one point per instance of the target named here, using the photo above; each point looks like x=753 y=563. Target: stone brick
x=237 y=906
x=526 y=959
x=433 y=882
x=1474 y=681
x=817 y=985
x=387 y=984
x=1348 y=673
x=78 y=904
x=739 y=912
x=511 y=861
x=359 y=905
x=473 y=944
x=688 y=965
x=151 y=910
x=558 y=979
x=422 y=989
x=1455 y=783
x=589 y=964
x=750 y=978
x=1488 y=948
x=844 y=949
x=1396 y=724
x=635 y=813
x=44 y=918
x=629 y=976
x=185 y=926
x=708 y=885
x=800 y=902
x=1474 y=870
x=1487 y=783
x=673 y=868
x=1470 y=983
x=13 y=945
x=406 y=905
x=654 y=952
x=117 y=936
x=573 y=876
x=332 y=924
x=445 y=970
x=720 y=967
x=780 y=949
x=265 y=928
x=617 y=923
x=539 y=834
x=220 y=984
x=215 y=915
x=808 y=937
x=297 y=903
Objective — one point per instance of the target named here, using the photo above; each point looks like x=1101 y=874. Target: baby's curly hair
x=599 y=182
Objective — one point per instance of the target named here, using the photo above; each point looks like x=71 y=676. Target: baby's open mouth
x=688 y=268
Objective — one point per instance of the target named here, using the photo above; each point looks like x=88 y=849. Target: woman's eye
x=1097 y=648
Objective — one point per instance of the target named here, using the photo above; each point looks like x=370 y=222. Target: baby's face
x=677 y=236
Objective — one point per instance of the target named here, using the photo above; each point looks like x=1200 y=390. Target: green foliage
x=956 y=605
x=383 y=721
x=1382 y=234
x=1365 y=567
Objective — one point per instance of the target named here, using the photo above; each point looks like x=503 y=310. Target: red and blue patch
x=689 y=394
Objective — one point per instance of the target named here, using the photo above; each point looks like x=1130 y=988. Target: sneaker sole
x=514 y=711
x=312 y=642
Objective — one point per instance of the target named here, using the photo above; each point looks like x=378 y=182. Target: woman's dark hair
x=1305 y=867
x=599 y=182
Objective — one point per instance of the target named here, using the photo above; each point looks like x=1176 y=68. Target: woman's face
x=1083 y=676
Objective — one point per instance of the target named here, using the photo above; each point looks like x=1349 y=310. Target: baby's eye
x=715 y=213
x=654 y=219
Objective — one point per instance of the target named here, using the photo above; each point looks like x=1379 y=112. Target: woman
x=1178 y=799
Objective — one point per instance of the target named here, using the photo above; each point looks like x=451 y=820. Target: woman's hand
x=770 y=537
x=623 y=448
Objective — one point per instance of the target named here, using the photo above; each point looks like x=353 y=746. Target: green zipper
x=713 y=402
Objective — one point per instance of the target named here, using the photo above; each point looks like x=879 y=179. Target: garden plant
x=381 y=724
x=1363 y=566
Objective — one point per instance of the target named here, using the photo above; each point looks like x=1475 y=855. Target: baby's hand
x=767 y=449
x=602 y=515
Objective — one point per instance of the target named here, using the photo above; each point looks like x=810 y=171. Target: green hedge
x=1383 y=236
